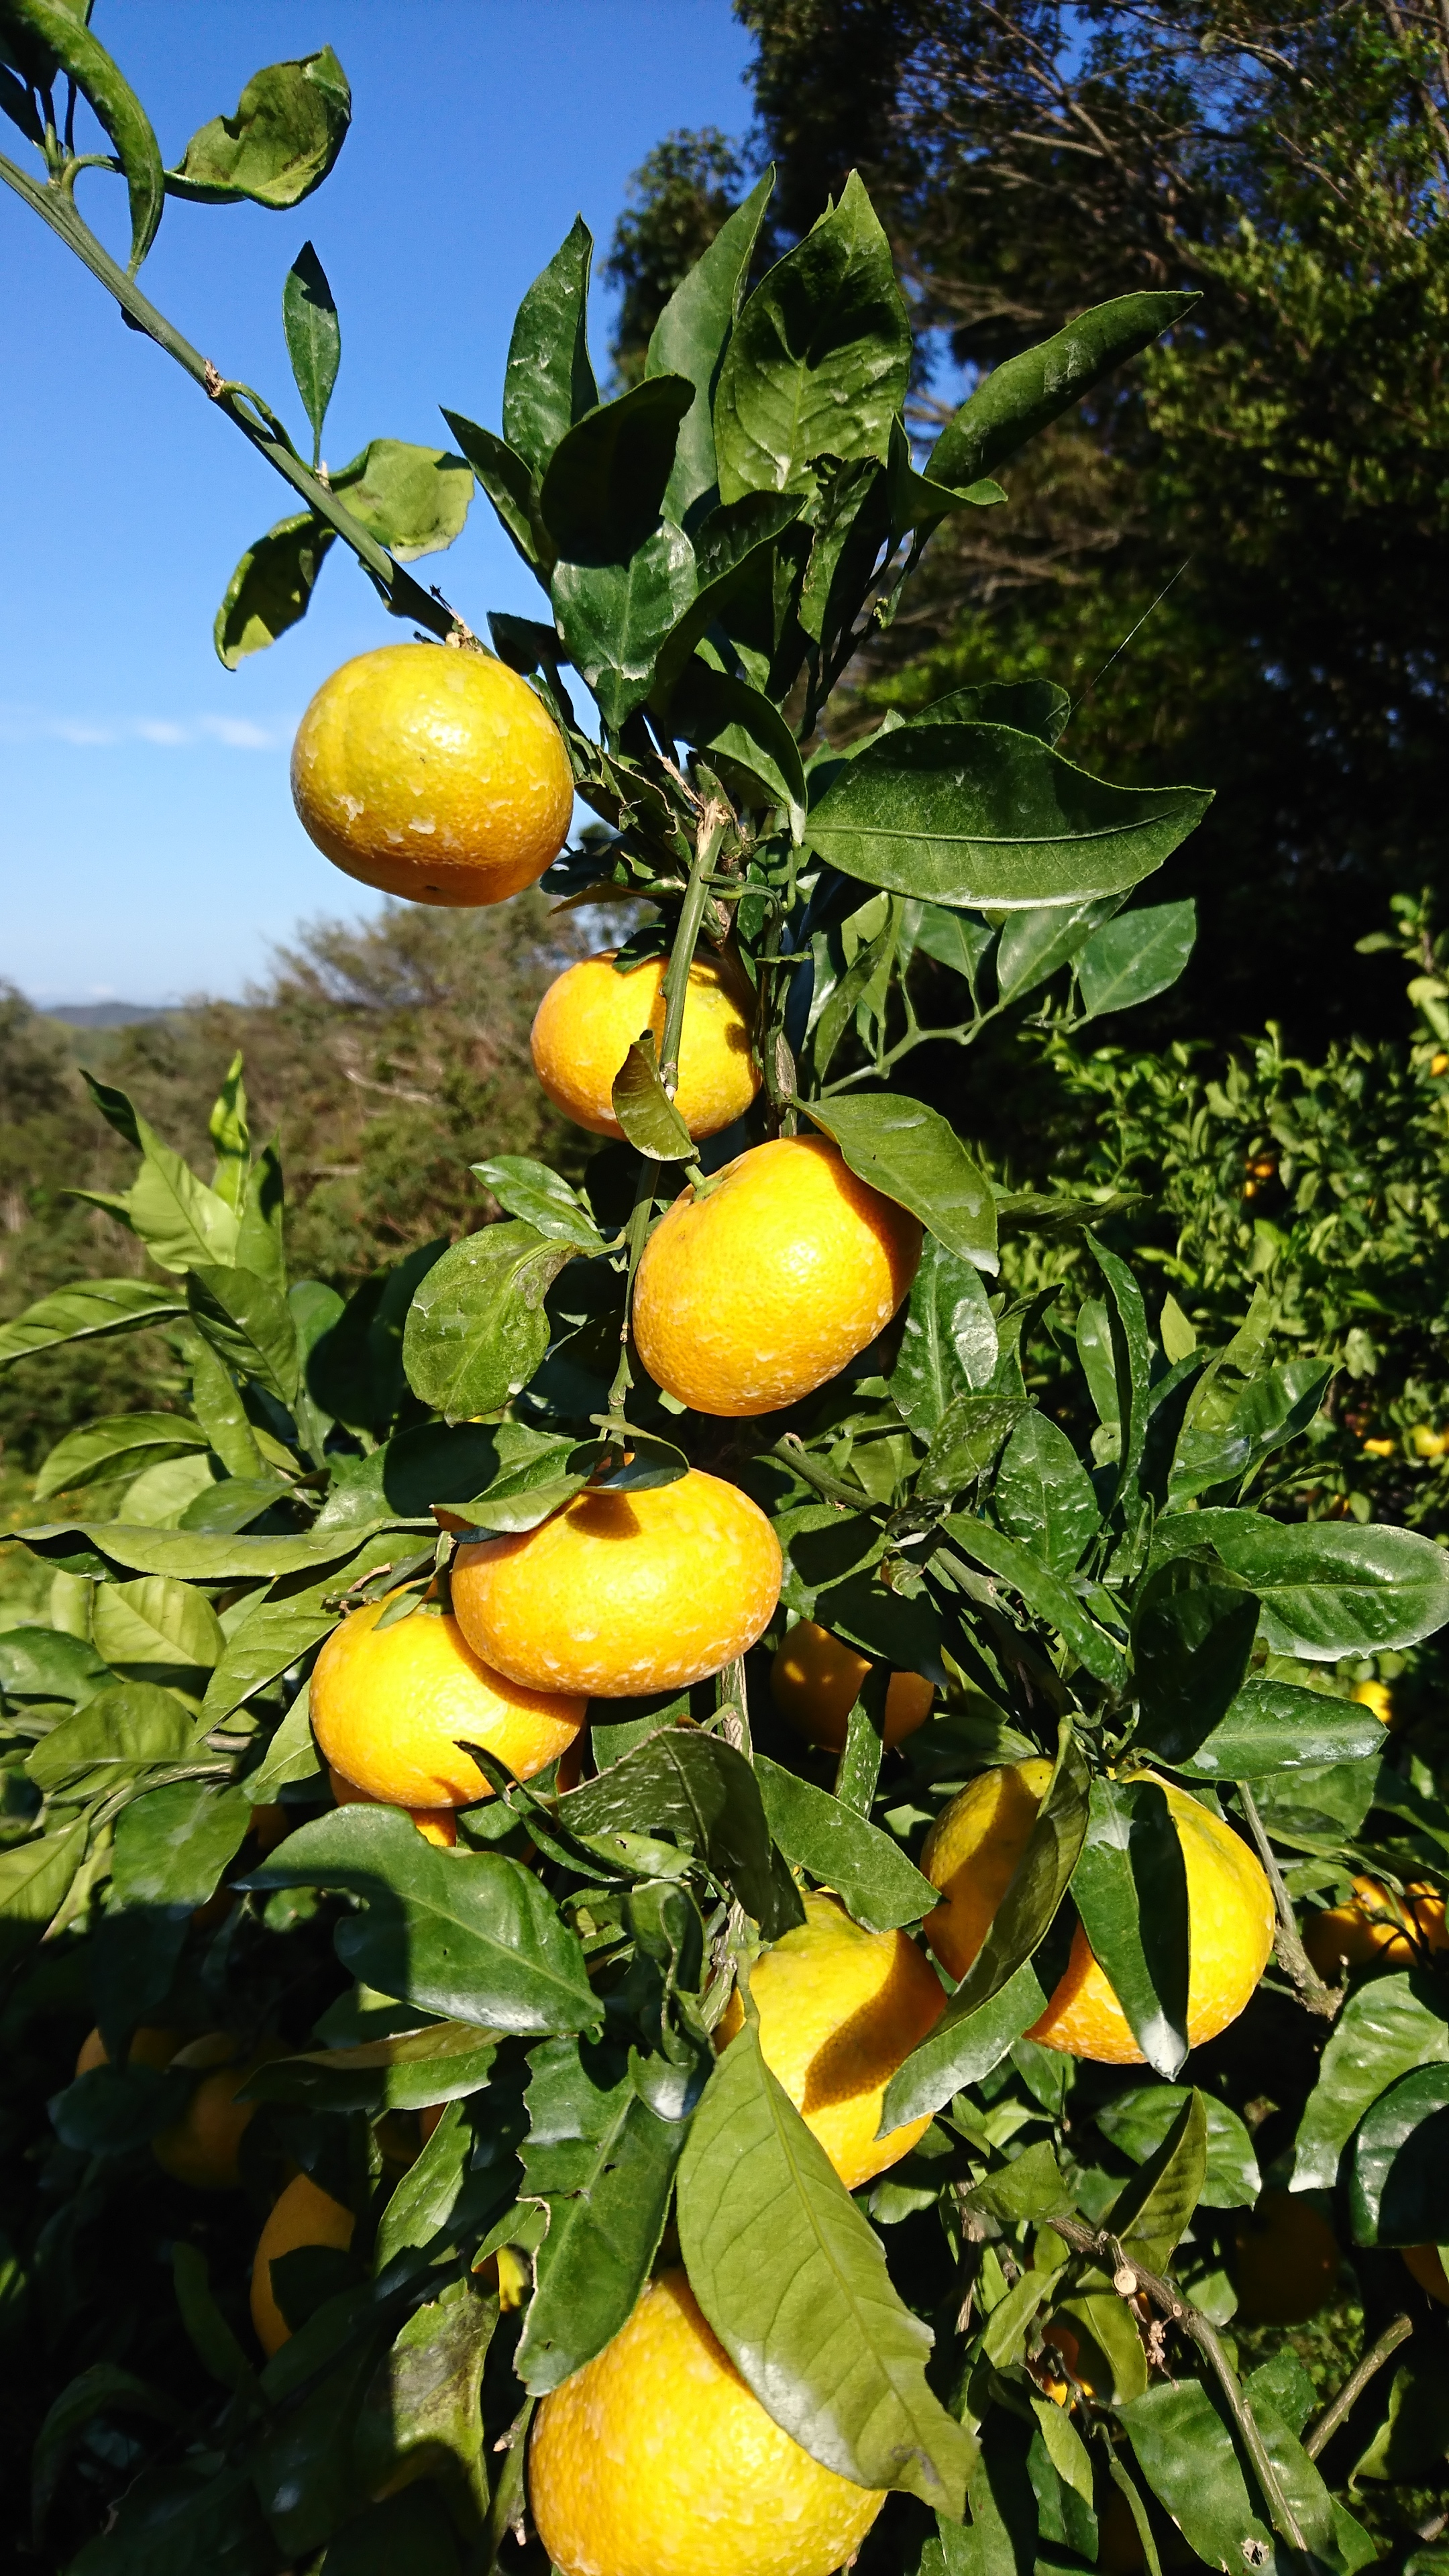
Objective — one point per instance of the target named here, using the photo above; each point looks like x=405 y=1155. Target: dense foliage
x=1089 y=1581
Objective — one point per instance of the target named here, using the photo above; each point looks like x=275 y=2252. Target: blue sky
x=149 y=846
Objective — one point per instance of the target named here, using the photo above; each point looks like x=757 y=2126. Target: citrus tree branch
x=1341 y=2407
x=1287 y=1945
x=714 y=822
x=404 y=596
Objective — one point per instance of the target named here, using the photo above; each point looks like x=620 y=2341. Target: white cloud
x=21 y=724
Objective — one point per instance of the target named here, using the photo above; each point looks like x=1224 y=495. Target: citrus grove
x=684 y=1937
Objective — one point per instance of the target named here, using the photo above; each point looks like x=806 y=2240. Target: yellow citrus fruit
x=589 y=1018
x=1375 y=1695
x=621 y=1594
x=150 y=2046
x=303 y=2215
x=815 y=1681
x=754 y=1295
x=433 y=774
x=1377 y=1925
x=655 y=2459
x=389 y=1703
x=973 y=1848
x=436 y=1824
x=1428 y=1443
x=840 y=2009
x=1287 y=2261
x=1426 y=2264
x=201 y=2147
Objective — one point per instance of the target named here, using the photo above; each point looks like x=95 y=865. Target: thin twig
x=1291 y=1955
x=1127 y=638
x=1342 y=2406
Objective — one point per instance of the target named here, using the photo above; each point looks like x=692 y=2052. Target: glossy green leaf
x=44 y=1663
x=414 y=500
x=731 y=552
x=35 y=1879
x=690 y=338
x=866 y=1868
x=1039 y=1589
x=548 y=383
x=1029 y=2186
x=271 y=588
x=1136 y=957
x=651 y=1123
x=603 y=493
x=283 y=137
x=948 y=1341
x=604 y=2162
x=118 y=1445
x=1273 y=1408
x=1041 y=707
x=1043 y=1495
x=469 y=1935
x=1328 y=1588
x=615 y=617
x=696 y=1786
x=1130 y=1889
x=1020 y=396
x=819 y=358
x=441 y=2063
x=173 y=1844
x=66 y=43
x=279 y=1631
x=155 y=1620
x=1153 y=2211
x=1034 y=944
x=82 y=1313
x=248 y=1324
x=1187 y=2455
x=511 y=487
x=749 y=742
x=1131 y=1356
x=914 y=501
x=177 y=1217
x=1386 y=2029
x=793 y=2280
x=1272 y=1726
x=430 y=2191
x=1001 y=1981
x=477 y=1329
x=1398 y=2191
x=544 y=1200
x=195 y=1556
x=220 y=1413
x=910 y=1153
x=1138 y=2121
x=979 y=814
x=125 y=1728
x=523 y=1496
x=313 y=334
x=966 y=1440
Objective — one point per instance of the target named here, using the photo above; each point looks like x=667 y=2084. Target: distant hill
x=103 y=1015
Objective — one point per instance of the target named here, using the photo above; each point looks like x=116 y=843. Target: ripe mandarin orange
x=972 y=1851
x=840 y=2010
x=815 y=1681
x=1427 y=2265
x=150 y=2046
x=435 y=1824
x=303 y=2214
x=389 y=1703
x=752 y=1296
x=589 y=1018
x=623 y=1593
x=1287 y=2261
x=433 y=774
x=655 y=2459
x=201 y=2148
x=1377 y=1925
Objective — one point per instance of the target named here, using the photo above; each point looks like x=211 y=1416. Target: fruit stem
x=1341 y=2407
x=1291 y=1955
x=635 y=1237
x=1128 y=2277
x=405 y=597
x=714 y=822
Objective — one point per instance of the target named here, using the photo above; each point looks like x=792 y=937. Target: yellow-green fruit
x=201 y=2148
x=623 y=1593
x=590 y=1017
x=840 y=2010
x=815 y=1681
x=433 y=774
x=657 y=2460
x=752 y=1296
x=388 y=1705
x=303 y=2215
x=1287 y=2261
x=973 y=1849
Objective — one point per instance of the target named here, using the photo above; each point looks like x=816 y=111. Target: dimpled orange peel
x=655 y=2459
x=973 y=1849
x=388 y=1704
x=623 y=1593
x=434 y=774
x=815 y=1681
x=840 y=2010
x=590 y=1016
x=755 y=1294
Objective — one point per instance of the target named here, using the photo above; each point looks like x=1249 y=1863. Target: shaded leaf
x=1386 y=2030
x=1020 y=396
x=1187 y=2456
x=694 y=1785
x=1130 y=1889
x=651 y=1123
x=865 y=1867
x=1043 y=1495
x=93 y=1307
x=441 y=2063
x=64 y=41
x=1042 y=1593
x=1399 y=2184
x=1135 y=958
x=948 y=1342
x=248 y=1324
x=173 y=1844
x=124 y=1728
x=45 y=1663
x=477 y=1329
x=1137 y=2123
